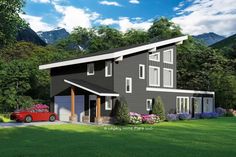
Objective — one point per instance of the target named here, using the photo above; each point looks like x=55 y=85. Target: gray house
x=85 y=89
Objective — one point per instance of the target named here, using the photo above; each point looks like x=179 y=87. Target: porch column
x=73 y=117
x=98 y=113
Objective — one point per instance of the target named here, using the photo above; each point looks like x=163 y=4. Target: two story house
x=85 y=89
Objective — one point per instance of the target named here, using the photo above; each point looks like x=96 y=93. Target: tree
x=158 y=108
x=121 y=112
x=11 y=22
x=135 y=37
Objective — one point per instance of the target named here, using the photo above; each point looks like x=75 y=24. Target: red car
x=36 y=113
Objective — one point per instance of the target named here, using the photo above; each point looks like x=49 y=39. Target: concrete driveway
x=15 y=124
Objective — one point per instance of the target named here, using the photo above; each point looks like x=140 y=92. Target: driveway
x=15 y=124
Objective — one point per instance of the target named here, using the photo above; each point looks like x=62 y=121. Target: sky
x=193 y=16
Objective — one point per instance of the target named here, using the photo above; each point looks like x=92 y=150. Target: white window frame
x=107 y=63
x=200 y=98
x=172 y=78
x=147 y=108
x=139 y=73
x=88 y=73
x=153 y=54
x=172 y=56
x=158 y=78
x=188 y=104
x=108 y=99
x=128 y=78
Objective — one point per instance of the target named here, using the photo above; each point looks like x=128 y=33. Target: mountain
x=29 y=35
x=50 y=37
x=209 y=38
x=227 y=42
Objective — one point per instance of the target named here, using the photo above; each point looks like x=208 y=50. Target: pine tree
x=121 y=112
x=158 y=108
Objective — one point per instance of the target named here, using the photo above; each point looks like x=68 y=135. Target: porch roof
x=98 y=90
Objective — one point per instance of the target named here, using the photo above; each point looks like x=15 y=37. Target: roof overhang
x=116 y=54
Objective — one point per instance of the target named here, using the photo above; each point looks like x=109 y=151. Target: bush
x=150 y=118
x=184 y=116
x=121 y=112
x=158 y=108
x=1 y=120
x=135 y=118
x=209 y=115
x=221 y=111
x=230 y=113
x=172 y=117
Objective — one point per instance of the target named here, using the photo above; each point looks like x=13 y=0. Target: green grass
x=195 y=138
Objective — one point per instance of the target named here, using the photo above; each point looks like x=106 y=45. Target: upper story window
x=128 y=85
x=155 y=57
x=108 y=69
x=154 y=76
x=90 y=69
x=168 y=77
x=168 y=56
x=108 y=103
x=141 y=71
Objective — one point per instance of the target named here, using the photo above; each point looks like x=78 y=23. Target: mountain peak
x=52 y=36
x=209 y=38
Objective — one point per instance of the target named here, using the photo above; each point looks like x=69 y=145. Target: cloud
x=112 y=3
x=134 y=1
x=41 y=1
x=208 y=16
x=73 y=17
x=36 y=23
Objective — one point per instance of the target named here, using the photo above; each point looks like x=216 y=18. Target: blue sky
x=193 y=16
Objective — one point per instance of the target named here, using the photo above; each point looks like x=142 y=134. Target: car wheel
x=52 y=118
x=28 y=119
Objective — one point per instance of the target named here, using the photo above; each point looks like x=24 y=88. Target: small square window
x=128 y=85
x=149 y=104
x=141 y=71
x=155 y=57
x=90 y=69
x=108 y=103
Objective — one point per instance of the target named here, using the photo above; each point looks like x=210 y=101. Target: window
x=108 y=69
x=168 y=77
x=141 y=71
x=128 y=85
x=182 y=105
x=197 y=104
x=155 y=57
x=207 y=104
x=154 y=76
x=90 y=69
x=149 y=104
x=168 y=56
x=108 y=103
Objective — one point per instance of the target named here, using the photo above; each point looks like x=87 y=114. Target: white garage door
x=62 y=107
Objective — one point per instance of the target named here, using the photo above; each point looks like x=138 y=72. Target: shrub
x=121 y=112
x=158 y=108
x=150 y=118
x=230 y=113
x=221 y=111
x=172 y=117
x=135 y=118
x=209 y=115
x=1 y=120
x=184 y=116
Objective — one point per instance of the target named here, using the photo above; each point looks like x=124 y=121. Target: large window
x=141 y=71
x=197 y=102
x=168 y=77
x=154 y=76
x=168 y=56
x=108 y=103
x=155 y=57
x=149 y=104
x=182 y=104
x=90 y=69
x=128 y=85
x=207 y=104
x=108 y=69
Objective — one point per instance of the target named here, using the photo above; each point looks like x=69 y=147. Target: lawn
x=195 y=138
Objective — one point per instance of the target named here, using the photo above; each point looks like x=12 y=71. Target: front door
x=92 y=110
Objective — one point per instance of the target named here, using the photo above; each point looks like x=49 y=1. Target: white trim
x=188 y=104
x=130 y=80
x=158 y=71
x=153 y=54
x=143 y=67
x=90 y=90
x=107 y=63
x=108 y=98
x=172 y=56
x=114 y=54
x=147 y=104
x=177 y=90
x=88 y=73
x=172 y=78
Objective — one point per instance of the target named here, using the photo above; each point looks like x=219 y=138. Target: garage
x=62 y=106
